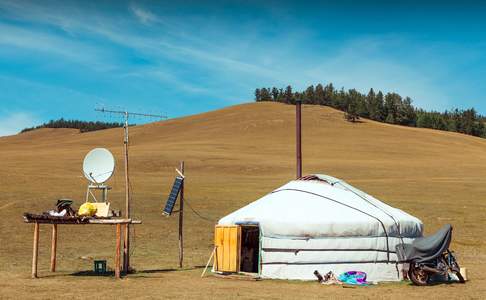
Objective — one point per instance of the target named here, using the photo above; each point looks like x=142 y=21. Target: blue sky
x=63 y=58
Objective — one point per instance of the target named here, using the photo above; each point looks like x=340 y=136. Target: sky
x=65 y=58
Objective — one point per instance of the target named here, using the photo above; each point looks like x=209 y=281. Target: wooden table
x=117 y=222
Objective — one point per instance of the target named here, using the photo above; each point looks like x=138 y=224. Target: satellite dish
x=98 y=165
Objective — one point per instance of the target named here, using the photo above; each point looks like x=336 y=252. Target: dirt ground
x=233 y=156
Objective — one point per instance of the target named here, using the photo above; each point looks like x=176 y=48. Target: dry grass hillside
x=233 y=156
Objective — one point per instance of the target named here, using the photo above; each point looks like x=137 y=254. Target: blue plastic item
x=353 y=277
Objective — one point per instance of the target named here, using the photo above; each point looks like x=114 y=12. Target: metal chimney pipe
x=298 y=127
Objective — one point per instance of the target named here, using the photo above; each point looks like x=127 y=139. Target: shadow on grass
x=80 y=274
x=435 y=283
x=90 y=273
x=169 y=270
x=93 y=273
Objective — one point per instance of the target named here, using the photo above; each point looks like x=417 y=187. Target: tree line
x=390 y=108
x=83 y=126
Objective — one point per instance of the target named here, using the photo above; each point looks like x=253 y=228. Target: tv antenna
x=126 y=115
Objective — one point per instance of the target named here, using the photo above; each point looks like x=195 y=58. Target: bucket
x=100 y=267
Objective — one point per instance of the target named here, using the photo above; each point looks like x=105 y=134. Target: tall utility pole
x=126 y=115
x=298 y=128
x=126 y=235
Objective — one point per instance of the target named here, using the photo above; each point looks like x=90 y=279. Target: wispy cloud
x=144 y=16
x=174 y=43
x=216 y=58
x=57 y=46
x=13 y=123
x=373 y=61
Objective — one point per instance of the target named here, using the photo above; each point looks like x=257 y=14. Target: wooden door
x=227 y=240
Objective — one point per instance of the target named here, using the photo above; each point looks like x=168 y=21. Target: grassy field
x=233 y=156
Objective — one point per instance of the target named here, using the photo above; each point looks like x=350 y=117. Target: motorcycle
x=430 y=256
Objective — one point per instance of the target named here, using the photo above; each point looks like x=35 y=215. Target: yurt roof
x=323 y=206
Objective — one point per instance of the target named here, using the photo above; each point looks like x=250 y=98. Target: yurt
x=317 y=222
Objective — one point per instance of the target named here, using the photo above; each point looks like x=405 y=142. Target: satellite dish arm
x=90 y=175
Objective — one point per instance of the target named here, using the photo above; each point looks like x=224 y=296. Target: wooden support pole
x=53 y=247
x=126 y=255
x=298 y=136
x=117 y=253
x=209 y=260
x=181 y=220
x=35 y=251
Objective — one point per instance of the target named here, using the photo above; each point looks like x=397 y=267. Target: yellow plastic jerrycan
x=87 y=210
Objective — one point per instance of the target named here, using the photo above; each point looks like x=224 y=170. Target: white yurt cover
x=327 y=225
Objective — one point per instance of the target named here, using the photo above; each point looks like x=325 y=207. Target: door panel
x=227 y=240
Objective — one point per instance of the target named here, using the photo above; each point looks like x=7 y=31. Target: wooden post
x=53 y=247
x=126 y=255
x=209 y=260
x=181 y=220
x=35 y=251
x=117 y=253
x=298 y=129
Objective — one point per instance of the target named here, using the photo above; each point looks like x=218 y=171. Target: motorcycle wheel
x=418 y=276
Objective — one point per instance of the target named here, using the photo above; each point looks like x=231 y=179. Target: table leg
x=117 y=254
x=35 y=251
x=53 y=247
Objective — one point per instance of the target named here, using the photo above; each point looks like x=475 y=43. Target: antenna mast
x=126 y=115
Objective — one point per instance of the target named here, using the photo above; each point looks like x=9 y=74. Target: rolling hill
x=233 y=156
